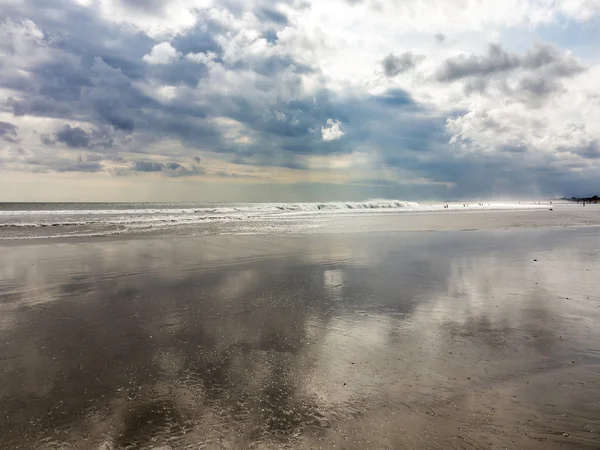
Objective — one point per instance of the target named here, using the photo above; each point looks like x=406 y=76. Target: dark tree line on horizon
x=594 y=199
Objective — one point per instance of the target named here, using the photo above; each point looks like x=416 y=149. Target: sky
x=298 y=100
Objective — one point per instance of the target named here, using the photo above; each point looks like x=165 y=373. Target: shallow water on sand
x=373 y=340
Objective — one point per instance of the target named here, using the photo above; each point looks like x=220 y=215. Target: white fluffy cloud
x=162 y=53
x=201 y=57
x=332 y=131
x=157 y=19
x=540 y=102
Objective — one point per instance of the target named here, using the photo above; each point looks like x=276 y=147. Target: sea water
x=44 y=220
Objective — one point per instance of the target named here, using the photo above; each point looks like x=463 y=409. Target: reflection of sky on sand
x=239 y=341
x=333 y=280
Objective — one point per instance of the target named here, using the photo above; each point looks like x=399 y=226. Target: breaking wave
x=135 y=217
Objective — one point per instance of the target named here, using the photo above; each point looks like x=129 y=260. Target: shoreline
x=327 y=223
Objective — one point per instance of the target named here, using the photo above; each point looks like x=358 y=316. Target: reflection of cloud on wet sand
x=149 y=346
x=333 y=280
x=195 y=341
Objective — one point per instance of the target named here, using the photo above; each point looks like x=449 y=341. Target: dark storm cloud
x=293 y=127
x=77 y=137
x=79 y=32
x=459 y=67
x=395 y=98
x=191 y=130
x=548 y=57
x=394 y=65
x=8 y=132
x=73 y=137
x=394 y=124
x=181 y=71
x=183 y=171
x=73 y=81
x=172 y=169
x=96 y=85
x=590 y=151
x=476 y=85
x=135 y=70
x=497 y=61
x=531 y=78
x=537 y=86
x=63 y=82
x=387 y=123
x=111 y=97
x=81 y=85
x=271 y=36
x=510 y=173
x=40 y=106
x=115 y=119
x=293 y=130
x=200 y=39
x=148 y=166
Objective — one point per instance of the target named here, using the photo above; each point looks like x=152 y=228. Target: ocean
x=63 y=220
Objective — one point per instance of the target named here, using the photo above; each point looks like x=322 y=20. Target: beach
x=424 y=329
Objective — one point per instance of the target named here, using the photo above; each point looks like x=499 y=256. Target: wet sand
x=446 y=339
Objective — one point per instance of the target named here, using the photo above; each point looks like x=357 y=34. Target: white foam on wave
x=224 y=209
x=136 y=219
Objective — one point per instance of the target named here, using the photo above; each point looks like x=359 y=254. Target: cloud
x=62 y=165
x=273 y=86
x=201 y=57
x=590 y=151
x=499 y=62
x=171 y=169
x=111 y=96
x=271 y=14
x=148 y=166
x=394 y=65
x=145 y=6
x=163 y=53
x=18 y=38
x=459 y=67
x=73 y=137
x=78 y=138
x=83 y=166
x=532 y=77
x=8 y=132
x=545 y=147
x=332 y=131
x=183 y=171
x=538 y=86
